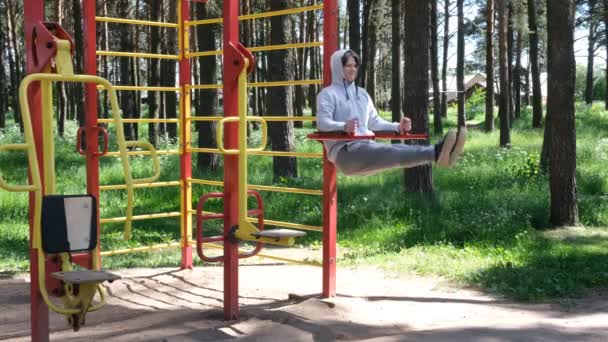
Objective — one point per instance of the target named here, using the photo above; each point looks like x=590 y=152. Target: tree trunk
x=444 y=67
x=489 y=119
x=371 y=52
x=606 y=72
x=517 y=76
x=396 y=61
x=503 y=107
x=279 y=98
x=168 y=78
x=537 y=107
x=127 y=98
x=207 y=99
x=510 y=41
x=3 y=79
x=78 y=61
x=368 y=6
x=437 y=124
x=300 y=68
x=560 y=108
x=354 y=25
x=417 y=28
x=154 y=8
x=460 y=64
x=591 y=38
x=14 y=60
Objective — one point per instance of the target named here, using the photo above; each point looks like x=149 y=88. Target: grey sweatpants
x=369 y=157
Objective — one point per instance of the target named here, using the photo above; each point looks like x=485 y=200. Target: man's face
x=350 y=69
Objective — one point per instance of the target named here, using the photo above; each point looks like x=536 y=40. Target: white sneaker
x=461 y=138
x=447 y=145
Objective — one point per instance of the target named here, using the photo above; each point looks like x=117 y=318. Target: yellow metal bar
x=205 y=118
x=142 y=153
x=48 y=139
x=204 y=86
x=127 y=87
x=139 y=186
x=261 y=187
x=288 y=154
x=287 y=224
x=290 y=118
x=134 y=22
x=259 y=15
x=285 y=83
x=140 y=217
x=205 y=53
x=136 y=54
x=110 y=121
x=284 y=46
x=204 y=150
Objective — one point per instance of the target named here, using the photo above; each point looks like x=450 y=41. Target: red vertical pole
x=230 y=93
x=33 y=13
x=90 y=103
x=330 y=196
x=185 y=157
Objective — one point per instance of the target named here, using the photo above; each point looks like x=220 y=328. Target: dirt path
x=171 y=305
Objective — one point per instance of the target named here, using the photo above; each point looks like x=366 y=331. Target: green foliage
x=476 y=104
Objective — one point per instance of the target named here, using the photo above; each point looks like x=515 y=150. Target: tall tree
x=437 y=124
x=370 y=52
x=444 y=65
x=503 y=106
x=3 y=78
x=460 y=63
x=354 y=25
x=167 y=77
x=489 y=119
x=207 y=99
x=537 y=107
x=154 y=10
x=78 y=61
x=592 y=37
x=561 y=67
x=14 y=58
x=396 y=60
x=368 y=5
x=279 y=98
x=416 y=82
x=605 y=17
x=510 y=43
x=127 y=98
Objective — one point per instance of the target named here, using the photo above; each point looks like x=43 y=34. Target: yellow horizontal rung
x=284 y=83
x=261 y=187
x=286 y=154
x=134 y=22
x=286 y=224
x=141 y=217
x=204 y=86
x=290 y=118
x=133 y=88
x=205 y=182
x=136 y=54
x=267 y=256
x=284 y=46
x=204 y=118
x=204 y=150
x=141 y=249
x=204 y=53
x=111 y=121
x=142 y=153
x=257 y=15
x=140 y=185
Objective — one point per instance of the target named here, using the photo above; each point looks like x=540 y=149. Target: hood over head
x=337 y=70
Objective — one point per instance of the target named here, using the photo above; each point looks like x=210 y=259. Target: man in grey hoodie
x=344 y=107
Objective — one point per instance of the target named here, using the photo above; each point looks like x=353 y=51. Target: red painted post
x=230 y=93
x=185 y=157
x=330 y=196
x=90 y=104
x=33 y=12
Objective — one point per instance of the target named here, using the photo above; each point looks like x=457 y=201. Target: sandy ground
x=280 y=303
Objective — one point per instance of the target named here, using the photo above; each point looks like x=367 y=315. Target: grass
x=487 y=228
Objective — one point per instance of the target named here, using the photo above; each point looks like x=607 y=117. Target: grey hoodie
x=342 y=101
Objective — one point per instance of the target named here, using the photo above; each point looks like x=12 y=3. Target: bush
x=475 y=104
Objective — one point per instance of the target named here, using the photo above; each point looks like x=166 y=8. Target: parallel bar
x=287 y=154
x=111 y=121
x=258 y=15
x=285 y=83
x=142 y=153
x=150 y=88
x=141 y=185
x=290 y=118
x=205 y=118
x=262 y=187
x=141 y=217
x=287 y=224
x=135 y=54
x=134 y=22
x=204 y=86
x=260 y=49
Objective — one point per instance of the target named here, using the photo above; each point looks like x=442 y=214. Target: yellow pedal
x=282 y=237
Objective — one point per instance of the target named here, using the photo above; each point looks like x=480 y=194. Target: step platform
x=278 y=233
x=85 y=276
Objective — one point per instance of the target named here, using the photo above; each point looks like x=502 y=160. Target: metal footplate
x=85 y=276
x=279 y=235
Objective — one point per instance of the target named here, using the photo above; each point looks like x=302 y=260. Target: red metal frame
x=330 y=195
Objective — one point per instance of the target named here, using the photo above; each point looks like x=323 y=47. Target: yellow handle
x=219 y=134
x=153 y=155
x=16 y=188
